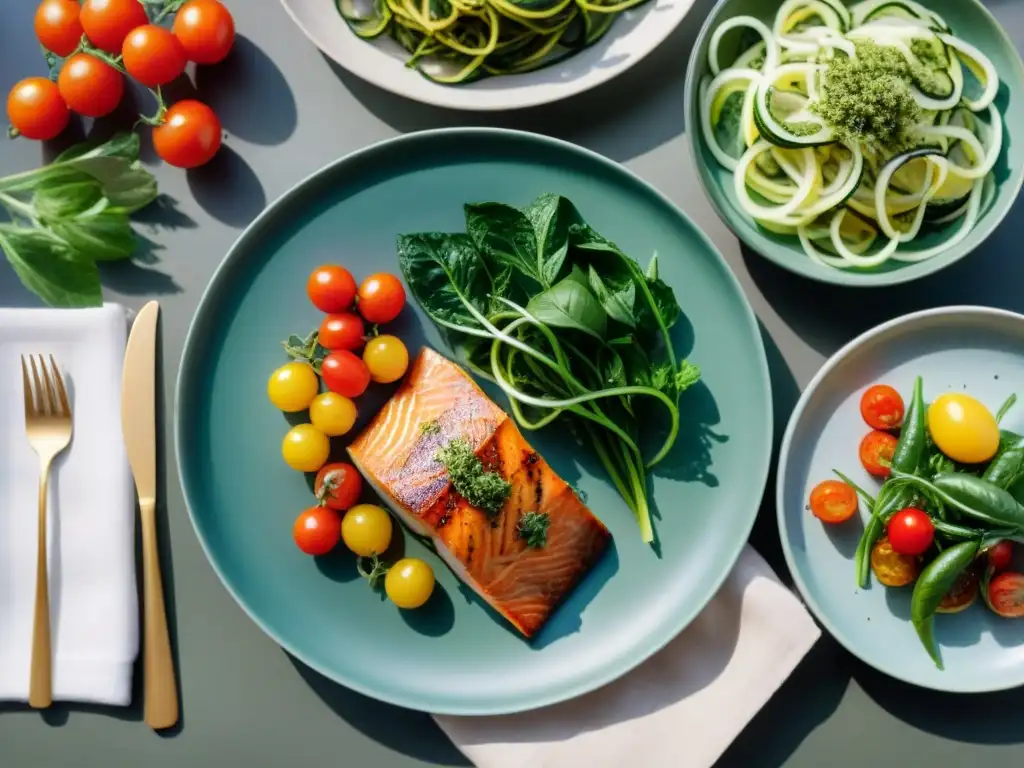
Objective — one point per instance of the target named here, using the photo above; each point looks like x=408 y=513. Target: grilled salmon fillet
x=398 y=457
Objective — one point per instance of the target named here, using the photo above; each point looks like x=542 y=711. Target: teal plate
x=455 y=656
x=972 y=349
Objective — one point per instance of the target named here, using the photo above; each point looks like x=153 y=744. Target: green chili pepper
x=909 y=457
x=932 y=585
x=1007 y=468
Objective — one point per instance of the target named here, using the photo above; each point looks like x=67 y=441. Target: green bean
x=909 y=455
x=931 y=587
x=1005 y=408
x=1007 y=468
x=957 y=531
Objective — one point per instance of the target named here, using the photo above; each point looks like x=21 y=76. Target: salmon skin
x=398 y=456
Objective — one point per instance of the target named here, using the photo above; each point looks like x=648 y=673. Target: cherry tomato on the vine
x=190 y=135
x=1001 y=555
x=89 y=86
x=387 y=358
x=409 y=583
x=152 y=55
x=1006 y=595
x=206 y=30
x=343 y=330
x=293 y=386
x=331 y=288
x=366 y=529
x=876 y=451
x=338 y=485
x=910 y=531
x=36 y=109
x=833 y=501
x=107 y=22
x=345 y=373
x=317 y=530
x=381 y=298
x=882 y=407
x=332 y=414
x=58 y=26
x=305 y=448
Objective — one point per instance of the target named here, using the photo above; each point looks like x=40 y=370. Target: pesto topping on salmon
x=485 y=490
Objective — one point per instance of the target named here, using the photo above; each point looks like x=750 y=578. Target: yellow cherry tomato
x=963 y=429
x=387 y=358
x=409 y=583
x=293 y=386
x=305 y=448
x=332 y=414
x=366 y=529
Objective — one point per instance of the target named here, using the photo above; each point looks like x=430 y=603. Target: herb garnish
x=485 y=490
x=533 y=527
x=432 y=427
x=307 y=349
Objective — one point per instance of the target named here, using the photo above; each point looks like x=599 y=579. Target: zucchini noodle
x=854 y=197
x=459 y=41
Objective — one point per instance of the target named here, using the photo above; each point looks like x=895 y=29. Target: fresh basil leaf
x=636 y=364
x=447 y=276
x=551 y=217
x=44 y=264
x=569 y=304
x=123 y=145
x=59 y=199
x=617 y=302
x=504 y=236
x=106 y=236
x=664 y=303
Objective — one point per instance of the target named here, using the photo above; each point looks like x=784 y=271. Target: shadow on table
x=991 y=276
x=650 y=93
x=992 y=718
x=412 y=733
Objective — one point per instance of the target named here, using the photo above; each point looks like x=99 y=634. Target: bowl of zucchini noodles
x=487 y=54
x=857 y=143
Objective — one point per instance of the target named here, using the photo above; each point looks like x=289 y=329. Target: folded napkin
x=93 y=597
x=710 y=681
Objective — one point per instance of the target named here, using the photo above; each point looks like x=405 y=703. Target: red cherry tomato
x=107 y=22
x=1006 y=595
x=381 y=298
x=190 y=135
x=882 y=407
x=338 y=486
x=152 y=55
x=58 y=26
x=317 y=530
x=36 y=109
x=345 y=373
x=876 y=450
x=331 y=288
x=342 y=331
x=1001 y=555
x=910 y=532
x=206 y=30
x=89 y=86
x=833 y=502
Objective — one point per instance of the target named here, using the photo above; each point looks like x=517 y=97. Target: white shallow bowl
x=382 y=61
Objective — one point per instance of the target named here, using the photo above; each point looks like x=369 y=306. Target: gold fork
x=48 y=423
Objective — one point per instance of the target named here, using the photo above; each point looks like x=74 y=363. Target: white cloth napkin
x=93 y=597
x=708 y=683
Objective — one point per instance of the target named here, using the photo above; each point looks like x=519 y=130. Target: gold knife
x=138 y=423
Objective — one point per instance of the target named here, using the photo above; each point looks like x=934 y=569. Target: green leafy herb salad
x=459 y=41
x=949 y=508
x=567 y=325
x=855 y=129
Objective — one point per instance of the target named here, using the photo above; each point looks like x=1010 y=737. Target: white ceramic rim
x=780 y=475
x=519 y=91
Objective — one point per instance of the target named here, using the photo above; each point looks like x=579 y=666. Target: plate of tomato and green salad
x=901 y=498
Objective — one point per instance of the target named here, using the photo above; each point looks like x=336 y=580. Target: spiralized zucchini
x=854 y=202
x=459 y=41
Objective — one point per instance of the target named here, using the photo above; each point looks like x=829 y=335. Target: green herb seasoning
x=485 y=490
x=533 y=527
x=432 y=427
x=868 y=99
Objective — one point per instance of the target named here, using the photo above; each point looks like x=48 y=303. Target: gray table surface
x=288 y=111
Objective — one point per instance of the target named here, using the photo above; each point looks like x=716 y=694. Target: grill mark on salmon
x=524 y=584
